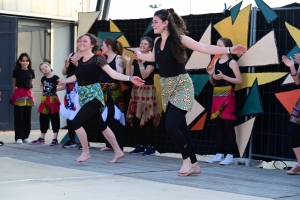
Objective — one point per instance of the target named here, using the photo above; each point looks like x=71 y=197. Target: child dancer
x=49 y=107
x=225 y=74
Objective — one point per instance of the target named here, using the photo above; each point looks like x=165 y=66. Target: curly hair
x=176 y=27
x=94 y=40
x=19 y=66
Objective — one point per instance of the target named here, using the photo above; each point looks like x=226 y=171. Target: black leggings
x=148 y=129
x=71 y=131
x=176 y=126
x=225 y=126
x=294 y=134
x=22 y=121
x=90 y=112
x=112 y=123
x=46 y=118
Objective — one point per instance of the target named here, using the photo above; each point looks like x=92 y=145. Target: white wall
x=60 y=49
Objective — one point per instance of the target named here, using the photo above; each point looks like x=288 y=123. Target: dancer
x=177 y=88
x=294 y=123
x=113 y=114
x=143 y=110
x=224 y=75
x=22 y=99
x=49 y=107
x=91 y=99
x=70 y=106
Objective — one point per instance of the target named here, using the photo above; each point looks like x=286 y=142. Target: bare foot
x=195 y=169
x=117 y=157
x=185 y=168
x=83 y=157
x=106 y=149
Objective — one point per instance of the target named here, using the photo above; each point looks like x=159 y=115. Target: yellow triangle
x=123 y=41
x=237 y=32
x=262 y=78
x=295 y=33
x=113 y=27
x=243 y=132
x=158 y=91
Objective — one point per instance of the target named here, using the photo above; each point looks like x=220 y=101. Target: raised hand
x=210 y=70
x=238 y=49
x=137 y=80
x=74 y=60
x=136 y=55
x=297 y=58
x=288 y=62
x=126 y=56
x=67 y=63
x=218 y=76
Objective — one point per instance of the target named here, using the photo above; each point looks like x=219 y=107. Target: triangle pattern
x=196 y=110
x=295 y=50
x=253 y=103
x=200 y=124
x=288 y=80
x=85 y=21
x=113 y=27
x=199 y=81
x=295 y=33
x=263 y=52
x=234 y=11
x=243 y=133
x=115 y=35
x=263 y=78
x=237 y=32
x=288 y=99
x=200 y=60
x=149 y=29
x=268 y=13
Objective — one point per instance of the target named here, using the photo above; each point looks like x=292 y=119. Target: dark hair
x=94 y=40
x=149 y=40
x=46 y=63
x=19 y=66
x=176 y=27
x=227 y=43
x=114 y=44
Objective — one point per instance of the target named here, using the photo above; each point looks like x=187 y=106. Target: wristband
x=294 y=74
x=142 y=68
x=129 y=78
x=228 y=50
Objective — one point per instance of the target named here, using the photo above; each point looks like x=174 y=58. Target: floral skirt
x=115 y=90
x=223 y=103
x=87 y=93
x=22 y=97
x=177 y=90
x=295 y=116
x=49 y=104
x=143 y=105
x=70 y=107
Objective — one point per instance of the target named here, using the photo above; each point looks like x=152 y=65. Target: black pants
x=225 y=127
x=71 y=131
x=45 y=120
x=113 y=124
x=294 y=134
x=176 y=126
x=90 y=113
x=22 y=121
x=149 y=130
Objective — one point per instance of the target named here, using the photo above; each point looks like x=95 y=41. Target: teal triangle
x=199 y=81
x=66 y=138
x=234 y=11
x=295 y=50
x=149 y=28
x=268 y=13
x=253 y=103
x=115 y=35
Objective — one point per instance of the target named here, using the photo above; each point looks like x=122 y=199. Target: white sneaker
x=26 y=140
x=19 y=141
x=228 y=160
x=217 y=158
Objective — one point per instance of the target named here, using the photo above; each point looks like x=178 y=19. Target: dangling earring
x=164 y=28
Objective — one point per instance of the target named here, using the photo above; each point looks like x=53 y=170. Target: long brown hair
x=19 y=66
x=115 y=45
x=176 y=27
x=94 y=40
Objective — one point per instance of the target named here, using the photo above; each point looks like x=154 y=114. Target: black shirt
x=168 y=65
x=105 y=77
x=23 y=78
x=149 y=80
x=88 y=72
x=226 y=70
x=49 y=85
x=71 y=68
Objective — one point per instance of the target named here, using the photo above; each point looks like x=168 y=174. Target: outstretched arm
x=210 y=49
x=71 y=79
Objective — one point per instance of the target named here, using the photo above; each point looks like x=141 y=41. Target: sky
x=135 y=9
